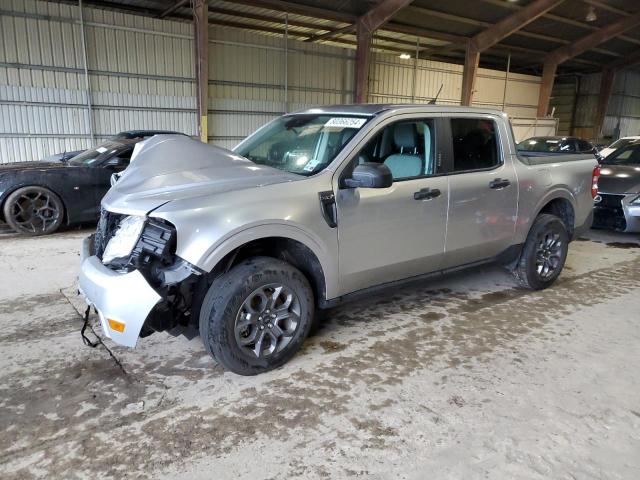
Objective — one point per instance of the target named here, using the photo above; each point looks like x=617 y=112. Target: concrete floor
x=466 y=377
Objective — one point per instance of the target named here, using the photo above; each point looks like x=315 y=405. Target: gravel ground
x=464 y=377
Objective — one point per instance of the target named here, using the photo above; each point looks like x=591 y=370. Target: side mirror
x=370 y=175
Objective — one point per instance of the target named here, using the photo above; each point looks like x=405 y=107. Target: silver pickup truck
x=318 y=207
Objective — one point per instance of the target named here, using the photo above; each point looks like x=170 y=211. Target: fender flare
x=559 y=192
x=555 y=194
x=237 y=239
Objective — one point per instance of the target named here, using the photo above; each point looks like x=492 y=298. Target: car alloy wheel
x=548 y=254
x=267 y=320
x=34 y=211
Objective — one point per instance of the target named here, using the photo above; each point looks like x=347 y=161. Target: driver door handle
x=426 y=194
x=499 y=183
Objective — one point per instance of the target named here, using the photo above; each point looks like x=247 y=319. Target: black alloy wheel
x=34 y=211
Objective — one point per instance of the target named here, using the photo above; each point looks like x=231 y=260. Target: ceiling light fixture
x=405 y=56
x=591 y=14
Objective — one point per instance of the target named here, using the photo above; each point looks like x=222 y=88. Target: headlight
x=125 y=238
x=635 y=201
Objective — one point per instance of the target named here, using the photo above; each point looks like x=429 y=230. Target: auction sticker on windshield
x=345 y=122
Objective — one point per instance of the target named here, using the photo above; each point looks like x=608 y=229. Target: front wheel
x=34 y=211
x=255 y=317
x=544 y=253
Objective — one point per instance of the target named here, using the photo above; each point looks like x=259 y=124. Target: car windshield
x=102 y=152
x=302 y=144
x=629 y=155
x=623 y=142
x=543 y=145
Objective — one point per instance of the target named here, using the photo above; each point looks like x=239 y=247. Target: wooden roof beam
x=494 y=34
x=481 y=23
x=325 y=14
x=594 y=39
x=625 y=62
x=562 y=54
x=559 y=19
x=512 y=23
x=382 y=13
x=298 y=9
x=173 y=8
x=331 y=33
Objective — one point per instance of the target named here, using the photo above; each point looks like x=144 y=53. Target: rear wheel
x=255 y=317
x=544 y=253
x=34 y=211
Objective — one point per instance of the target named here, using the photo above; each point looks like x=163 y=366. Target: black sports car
x=37 y=197
x=556 y=145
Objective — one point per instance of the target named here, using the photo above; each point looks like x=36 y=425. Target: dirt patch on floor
x=65 y=412
x=331 y=346
x=623 y=245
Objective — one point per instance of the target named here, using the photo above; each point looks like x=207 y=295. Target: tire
x=236 y=314
x=33 y=211
x=544 y=253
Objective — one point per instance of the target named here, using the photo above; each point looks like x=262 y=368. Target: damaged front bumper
x=123 y=301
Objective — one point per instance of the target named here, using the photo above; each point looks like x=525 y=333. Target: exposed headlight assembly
x=125 y=239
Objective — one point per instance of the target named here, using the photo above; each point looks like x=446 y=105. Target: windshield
x=102 y=152
x=544 y=145
x=623 y=142
x=629 y=155
x=302 y=144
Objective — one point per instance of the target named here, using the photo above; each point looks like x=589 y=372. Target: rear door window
x=475 y=144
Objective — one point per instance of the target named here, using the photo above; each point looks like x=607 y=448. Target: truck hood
x=619 y=179
x=175 y=167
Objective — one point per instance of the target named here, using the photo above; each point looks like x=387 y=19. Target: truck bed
x=542 y=158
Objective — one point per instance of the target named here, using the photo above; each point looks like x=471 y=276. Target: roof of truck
x=372 y=109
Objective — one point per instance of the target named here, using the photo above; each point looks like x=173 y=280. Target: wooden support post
x=606 y=87
x=544 y=97
x=363 y=55
x=201 y=27
x=87 y=82
x=365 y=26
x=471 y=60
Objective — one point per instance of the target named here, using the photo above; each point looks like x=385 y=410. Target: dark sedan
x=617 y=204
x=560 y=145
x=36 y=198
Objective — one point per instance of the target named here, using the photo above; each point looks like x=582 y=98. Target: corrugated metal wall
x=254 y=78
x=140 y=72
x=141 y=76
x=392 y=80
x=623 y=114
x=563 y=101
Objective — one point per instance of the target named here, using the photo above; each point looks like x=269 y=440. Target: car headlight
x=125 y=238
x=635 y=201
